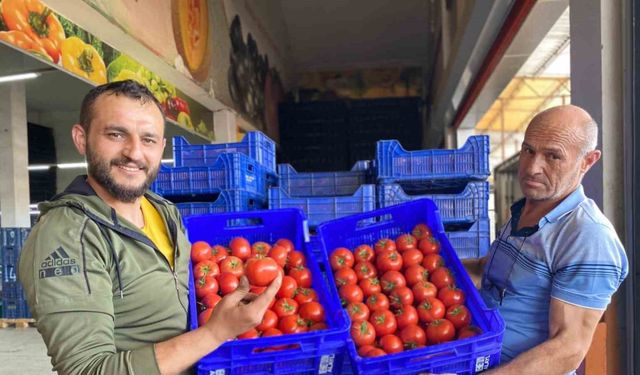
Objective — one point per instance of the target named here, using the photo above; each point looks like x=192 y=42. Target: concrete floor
x=22 y=351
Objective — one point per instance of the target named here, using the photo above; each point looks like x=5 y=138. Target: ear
x=589 y=160
x=79 y=137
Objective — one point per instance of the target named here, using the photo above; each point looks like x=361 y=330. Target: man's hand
x=240 y=311
x=475 y=268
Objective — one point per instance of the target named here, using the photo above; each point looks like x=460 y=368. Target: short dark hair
x=129 y=88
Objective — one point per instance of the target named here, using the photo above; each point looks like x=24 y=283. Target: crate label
x=326 y=364
x=482 y=363
x=217 y=372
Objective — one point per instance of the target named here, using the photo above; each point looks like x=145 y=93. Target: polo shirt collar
x=566 y=206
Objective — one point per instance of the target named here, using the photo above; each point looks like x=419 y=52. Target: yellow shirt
x=156 y=230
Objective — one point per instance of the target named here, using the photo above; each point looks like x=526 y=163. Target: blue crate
x=323 y=184
x=433 y=167
x=14 y=304
x=230 y=171
x=321 y=209
x=462 y=356
x=467 y=206
x=226 y=201
x=15 y=308
x=254 y=144
x=472 y=242
x=315 y=352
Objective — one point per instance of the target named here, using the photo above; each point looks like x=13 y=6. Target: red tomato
x=293 y=324
x=204 y=317
x=345 y=276
x=441 y=277
x=287 y=288
x=295 y=259
x=406 y=315
x=405 y=242
x=376 y=352
x=370 y=286
x=228 y=282
x=365 y=270
x=431 y=309
x=285 y=307
x=450 y=295
x=439 y=331
x=358 y=311
x=260 y=248
x=287 y=244
x=363 y=350
x=423 y=290
x=240 y=248
x=413 y=336
x=416 y=274
x=312 y=312
x=429 y=246
x=432 y=261
x=363 y=253
x=206 y=285
x=341 y=258
x=350 y=293
x=269 y=320
x=210 y=300
x=206 y=268
x=200 y=251
x=389 y=261
x=232 y=265
x=378 y=301
x=459 y=315
x=421 y=231
x=384 y=322
x=318 y=326
x=218 y=253
x=302 y=276
x=411 y=257
x=271 y=332
x=469 y=331
x=363 y=333
x=391 y=344
x=261 y=271
x=400 y=296
x=392 y=279
x=279 y=254
x=384 y=244
x=250 y=334
x=304 y=295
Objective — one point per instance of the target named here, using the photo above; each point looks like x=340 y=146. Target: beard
x=100 y=170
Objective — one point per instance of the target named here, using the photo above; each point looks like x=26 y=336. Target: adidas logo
x=58 y=263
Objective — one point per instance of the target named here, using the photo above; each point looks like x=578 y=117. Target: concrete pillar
x=224 y=126
x=450 y=137
x=14 y=174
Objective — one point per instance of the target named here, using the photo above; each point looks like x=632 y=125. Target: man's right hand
x=475 y=268
x=241 y=310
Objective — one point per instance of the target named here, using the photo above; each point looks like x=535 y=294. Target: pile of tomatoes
x=400 y=295
x=217 y=270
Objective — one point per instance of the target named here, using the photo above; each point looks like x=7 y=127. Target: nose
x=133 y=149
x=532 y=165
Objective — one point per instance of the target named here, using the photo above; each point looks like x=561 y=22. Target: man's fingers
x=264 y=299
x=241 y=292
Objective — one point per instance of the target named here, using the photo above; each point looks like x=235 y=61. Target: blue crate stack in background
x=14 y=304
x=213 y=178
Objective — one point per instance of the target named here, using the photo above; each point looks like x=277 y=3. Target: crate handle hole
x=245 y=222
x=425 y=358
x=278 y=348
x=376 y=220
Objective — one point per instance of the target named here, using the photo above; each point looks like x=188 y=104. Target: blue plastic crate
x=318 y=352
x=14 y=304
x=230 y=171
x=433 y=167
x=323 y=184
x=15 y=308
x=254 y=144
x=467 y=206
x=226 y=201
x=321 y=209
x=472 y=242
x=466 y=356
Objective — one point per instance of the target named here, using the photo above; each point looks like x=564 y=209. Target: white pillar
x=224 y=126
x=14 y=156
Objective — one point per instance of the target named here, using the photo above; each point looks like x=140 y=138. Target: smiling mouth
x=128 y=168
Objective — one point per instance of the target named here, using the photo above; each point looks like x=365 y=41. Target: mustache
x=124 y=161
x=534 y=179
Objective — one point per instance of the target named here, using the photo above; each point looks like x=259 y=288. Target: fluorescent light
x=167 y=161
x=18 y=77
x=42 y=167
x=72 y=165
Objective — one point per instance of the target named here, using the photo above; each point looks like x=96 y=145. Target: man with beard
x=105 y=268
x=555 y=265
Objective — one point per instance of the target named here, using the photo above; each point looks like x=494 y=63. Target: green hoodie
x=100 y=290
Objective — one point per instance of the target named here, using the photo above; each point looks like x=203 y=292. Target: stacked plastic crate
x=225 y=177
x=14 y=304
x=454 y=179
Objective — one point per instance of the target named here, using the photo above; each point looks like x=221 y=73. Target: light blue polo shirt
x=573 y=255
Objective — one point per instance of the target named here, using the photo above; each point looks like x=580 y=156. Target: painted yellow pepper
x=82 y=59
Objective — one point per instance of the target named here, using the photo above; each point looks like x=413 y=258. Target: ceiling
x=338 y=34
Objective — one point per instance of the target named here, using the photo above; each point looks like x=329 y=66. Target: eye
x=115 y=135
x=554 y=157
x=150 y=141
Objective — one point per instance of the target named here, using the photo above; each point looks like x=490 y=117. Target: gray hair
x=589 y=137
